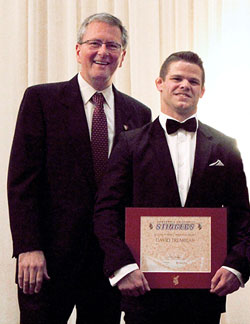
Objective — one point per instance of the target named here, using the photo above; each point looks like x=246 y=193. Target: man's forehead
x=181 y=67
x=99 y=29
x=98 y=23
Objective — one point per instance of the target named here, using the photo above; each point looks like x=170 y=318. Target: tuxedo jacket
x=141 y=174
x=51 y=186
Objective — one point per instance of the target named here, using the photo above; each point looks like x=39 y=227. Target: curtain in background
x=38 y=39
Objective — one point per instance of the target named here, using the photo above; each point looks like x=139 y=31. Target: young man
x=172 y=163
x=57 y=162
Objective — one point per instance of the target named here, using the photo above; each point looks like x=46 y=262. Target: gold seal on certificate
x=177 y=247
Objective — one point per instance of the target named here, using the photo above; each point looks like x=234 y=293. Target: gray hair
x=107 y=18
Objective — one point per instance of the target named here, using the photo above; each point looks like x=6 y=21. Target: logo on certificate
x=176 y=280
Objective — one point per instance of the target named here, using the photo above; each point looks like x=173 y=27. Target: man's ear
x=78 y=48
x=202 y=92
x=159 y=83
x=122 y=58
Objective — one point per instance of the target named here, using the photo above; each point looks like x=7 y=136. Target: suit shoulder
x=216 y=134
x=46 y=87
x=47 y=95
x=52 y=88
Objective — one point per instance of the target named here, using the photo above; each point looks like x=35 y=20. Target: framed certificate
x=177 y=247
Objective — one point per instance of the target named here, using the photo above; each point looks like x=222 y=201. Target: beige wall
x=37 y=40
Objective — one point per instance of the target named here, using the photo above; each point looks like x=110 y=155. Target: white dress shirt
x=109 y=107
x=182 y=145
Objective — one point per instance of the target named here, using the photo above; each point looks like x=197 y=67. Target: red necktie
x=99 y=137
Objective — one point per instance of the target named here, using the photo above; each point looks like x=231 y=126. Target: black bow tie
x=172 y=125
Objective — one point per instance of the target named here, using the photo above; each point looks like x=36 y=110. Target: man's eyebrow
x=181 y=76
x=176 y=75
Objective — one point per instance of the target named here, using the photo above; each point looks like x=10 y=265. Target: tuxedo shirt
x=182 y=146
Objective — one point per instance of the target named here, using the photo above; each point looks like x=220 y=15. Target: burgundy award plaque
x=177 y=247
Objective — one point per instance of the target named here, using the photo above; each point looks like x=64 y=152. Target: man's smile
x=101 y=62
x=183 y=94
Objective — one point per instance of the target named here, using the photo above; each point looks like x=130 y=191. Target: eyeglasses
x=97 y=43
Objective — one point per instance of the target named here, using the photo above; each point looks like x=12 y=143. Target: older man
x=64 y=134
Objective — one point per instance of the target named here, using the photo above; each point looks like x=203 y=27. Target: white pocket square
x=217 y=163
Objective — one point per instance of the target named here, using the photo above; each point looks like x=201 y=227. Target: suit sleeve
x=25 y=174
x=109 y=218
x=238 y=215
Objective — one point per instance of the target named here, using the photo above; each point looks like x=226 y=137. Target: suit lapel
x=202 y=154
x=76 y=124
x=166 y=168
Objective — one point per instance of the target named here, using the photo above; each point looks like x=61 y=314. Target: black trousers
x=95 y=300
x=173 y=307
x=168 y=318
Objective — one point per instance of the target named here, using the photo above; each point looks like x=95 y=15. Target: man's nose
x=185 y=84
x=103 y=49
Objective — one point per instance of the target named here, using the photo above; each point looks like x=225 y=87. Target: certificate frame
x=174 y=279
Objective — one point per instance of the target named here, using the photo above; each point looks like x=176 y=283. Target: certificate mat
x=177 y=247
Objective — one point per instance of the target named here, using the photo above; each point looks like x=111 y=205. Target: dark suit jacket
x=51 y=186
x=141 y=174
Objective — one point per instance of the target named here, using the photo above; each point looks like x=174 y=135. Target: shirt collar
x=87 y=91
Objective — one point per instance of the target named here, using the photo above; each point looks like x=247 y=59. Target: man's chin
x=102 y=81
x=185 y=111
x=102 y=77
